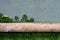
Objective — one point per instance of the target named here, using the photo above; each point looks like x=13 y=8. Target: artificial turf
x=29 y=36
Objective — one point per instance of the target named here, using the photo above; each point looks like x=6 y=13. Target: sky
x=41 y=10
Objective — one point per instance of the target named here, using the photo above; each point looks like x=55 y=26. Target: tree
x=32 y=20
x=5 y=19
x=24 y=18
x=16 y=19
x=28 y=20
x=11 y=20
x=1 y=17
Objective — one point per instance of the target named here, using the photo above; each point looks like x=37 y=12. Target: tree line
x=6 y=19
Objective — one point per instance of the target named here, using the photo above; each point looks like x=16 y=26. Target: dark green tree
x=24 y=18
x=5 y=19
x=32 y=20
x=1 y=17
x=11 y=20
x=28 y=20
x=16 y=19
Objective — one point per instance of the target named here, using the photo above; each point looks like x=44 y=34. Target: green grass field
x=29 y=36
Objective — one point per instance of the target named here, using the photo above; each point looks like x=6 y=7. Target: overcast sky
x=41 y=10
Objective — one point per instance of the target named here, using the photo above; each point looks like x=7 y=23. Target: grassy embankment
x=29 y=36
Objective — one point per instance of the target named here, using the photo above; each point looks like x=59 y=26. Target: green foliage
x=32 y=20
x=28 y=20
x=11 y=20
x=16 y=19
x=24 y=18
x=1 y=17
x=6 y=19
